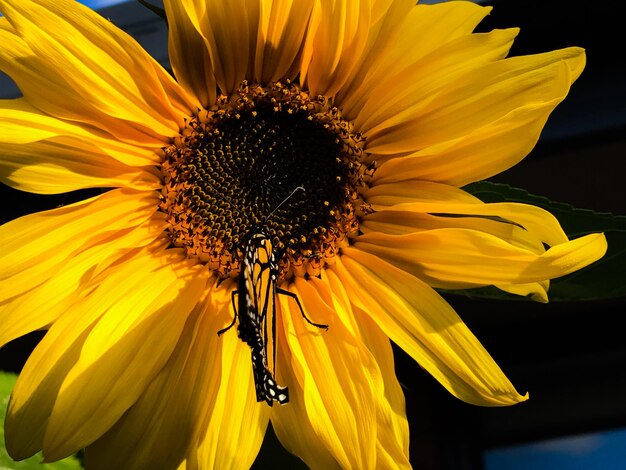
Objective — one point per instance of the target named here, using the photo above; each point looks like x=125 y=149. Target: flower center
x=271 y=159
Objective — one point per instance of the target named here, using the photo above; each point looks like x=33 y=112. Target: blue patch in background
x=596 y=451
x=100 y=3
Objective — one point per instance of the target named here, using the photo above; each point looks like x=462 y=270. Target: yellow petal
x=334 y=44
x=51 y=167
x=526 y=227
x=188 y=53
x=42 y=154
x=433 y=198
x=36 y=245
x=418 y=320
x=387 y=16
x=232 y=423
x=402 y=223
x=172 y=403
x=39 y=307
x=21 y=124
x=282 y=28
x=291 y=422
x=405 y=92
x=461 y=258
x=481 y=154
x=128 y=345
x=407 y=32
x=537 y=291
x=38 y=385
x=479 y=101
x=380 y=9
x=229 y=31
x=101 y=75
x=385 y=194
x=405 y=223
x=392 y=436
x=340 y=379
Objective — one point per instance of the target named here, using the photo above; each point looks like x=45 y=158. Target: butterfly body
x=257 y=315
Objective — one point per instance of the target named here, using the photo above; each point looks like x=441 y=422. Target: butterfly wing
x=257 y=315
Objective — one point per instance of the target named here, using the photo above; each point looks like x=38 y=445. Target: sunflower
x=339 y=133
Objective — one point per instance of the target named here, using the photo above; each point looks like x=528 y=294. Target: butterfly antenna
x=298 y=188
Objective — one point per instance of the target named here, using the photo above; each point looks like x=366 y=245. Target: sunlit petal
x=337 y=37
x=36 y=245
x=417 y=319
x=434 y=255
x=119 y=86
x=173 y=401
x=121 y=355
x=188 y=51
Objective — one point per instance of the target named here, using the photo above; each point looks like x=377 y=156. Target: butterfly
x=255 y=308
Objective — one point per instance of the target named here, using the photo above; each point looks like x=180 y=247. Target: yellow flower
x=380 y=110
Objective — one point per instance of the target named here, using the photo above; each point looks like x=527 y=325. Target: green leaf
x=604 y=279
x=7 y=381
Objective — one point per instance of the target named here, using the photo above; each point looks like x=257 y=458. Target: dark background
x=571 y=357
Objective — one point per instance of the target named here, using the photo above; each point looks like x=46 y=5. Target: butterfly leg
x=232 y=299
x=295 y=297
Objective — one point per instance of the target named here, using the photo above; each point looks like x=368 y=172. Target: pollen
x=272 y=159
